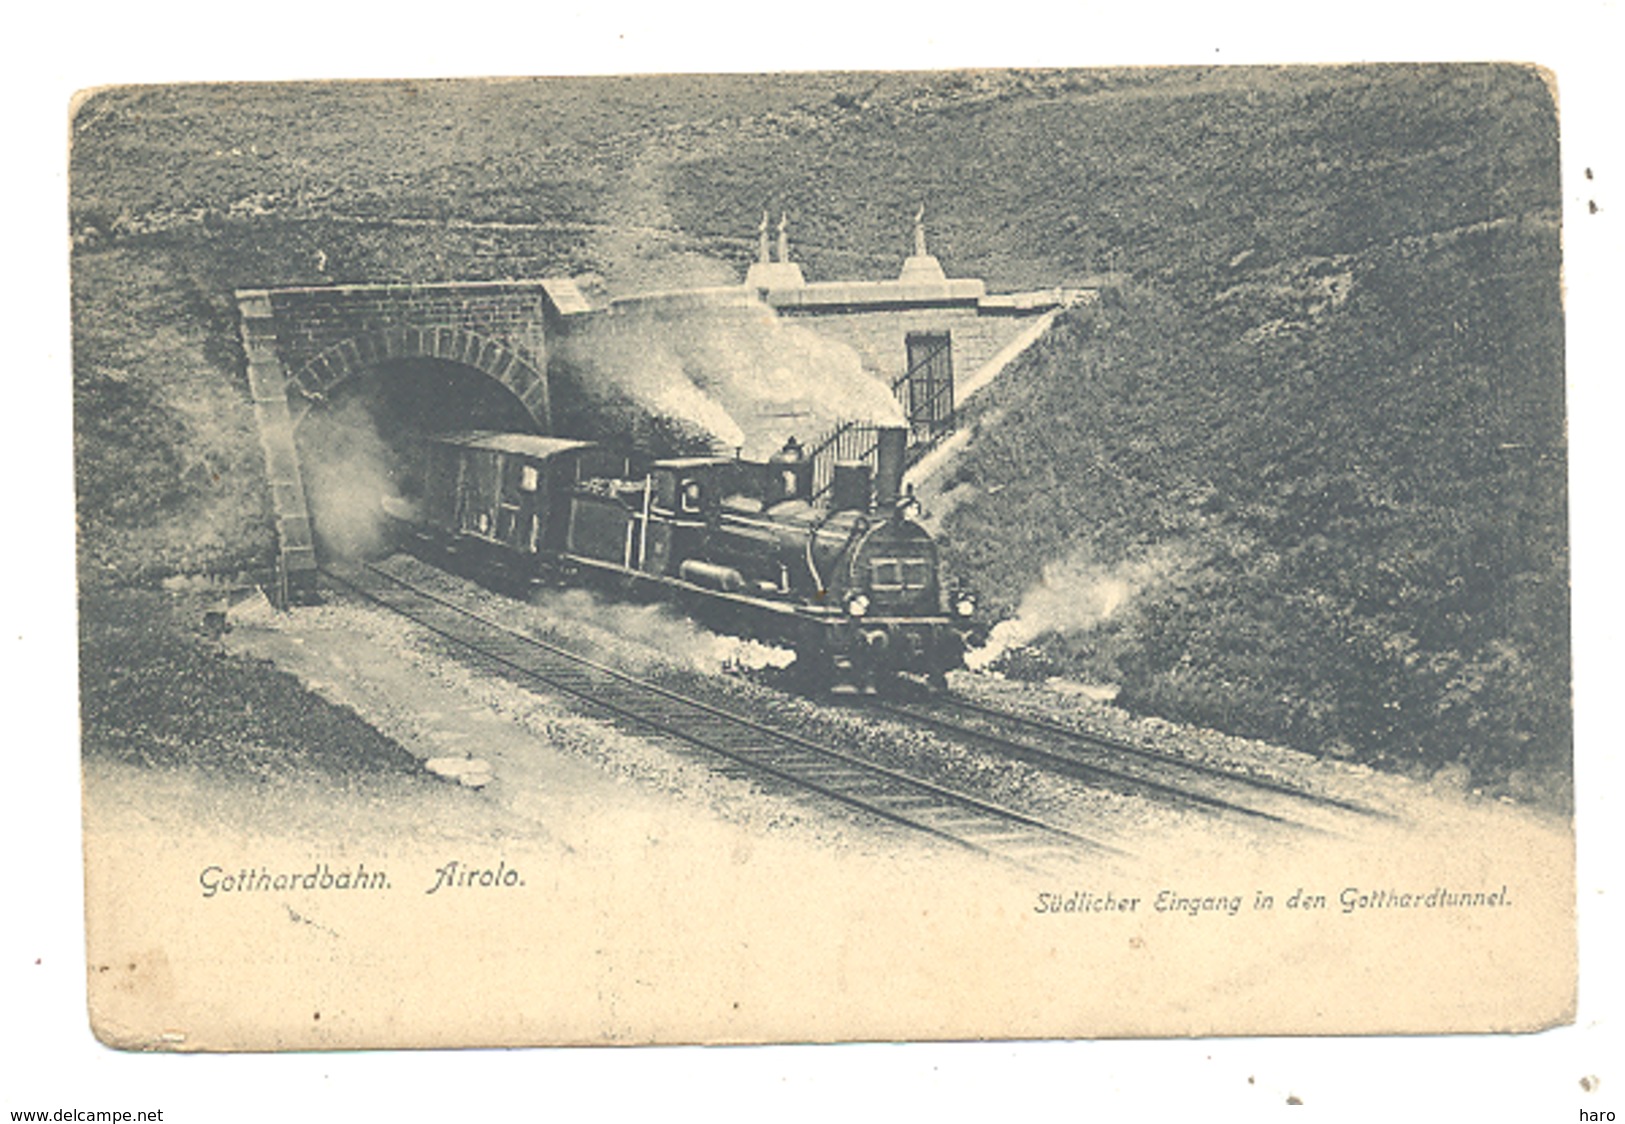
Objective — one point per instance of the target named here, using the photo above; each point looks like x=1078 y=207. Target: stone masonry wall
x=312 y=323
x=878 y=336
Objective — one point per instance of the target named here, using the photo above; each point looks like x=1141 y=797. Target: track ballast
x=758 y=747
x=1120 y=765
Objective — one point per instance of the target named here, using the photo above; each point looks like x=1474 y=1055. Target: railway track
x=1120 y=765
x=757 y=747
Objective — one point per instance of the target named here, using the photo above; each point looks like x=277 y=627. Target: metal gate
x=927 y=390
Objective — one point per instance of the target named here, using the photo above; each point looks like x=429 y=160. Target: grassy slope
x=158 y=695
x=1333 y=389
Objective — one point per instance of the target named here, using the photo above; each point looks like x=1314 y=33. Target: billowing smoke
x=1074 y=596
x=348 y=470
x=629 y=360
x=724 y=367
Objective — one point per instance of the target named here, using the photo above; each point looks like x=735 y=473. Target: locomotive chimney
x=889 y=465
x=849 y=491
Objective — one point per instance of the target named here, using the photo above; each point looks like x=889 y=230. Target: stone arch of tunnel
x=302 y=345
x=315 y=381
x=360 y=438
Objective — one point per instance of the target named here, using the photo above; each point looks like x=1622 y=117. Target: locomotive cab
x=683 y=507
x=685 y=488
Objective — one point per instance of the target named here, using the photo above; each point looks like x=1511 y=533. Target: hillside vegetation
x=1307 y=463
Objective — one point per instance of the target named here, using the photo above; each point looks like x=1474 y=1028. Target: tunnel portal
x=305 y=346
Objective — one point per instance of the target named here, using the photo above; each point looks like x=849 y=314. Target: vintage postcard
x=823 y=557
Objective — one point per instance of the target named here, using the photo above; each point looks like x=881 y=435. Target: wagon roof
x=524 y=444
x=684 y=463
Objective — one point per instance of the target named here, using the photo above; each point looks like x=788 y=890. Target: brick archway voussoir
x=492 y=358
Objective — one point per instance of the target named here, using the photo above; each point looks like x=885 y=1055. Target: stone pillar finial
x=761 y=241
x=784 y=236
x=919 y=232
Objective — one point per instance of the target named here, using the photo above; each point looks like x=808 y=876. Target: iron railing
x=929 y=406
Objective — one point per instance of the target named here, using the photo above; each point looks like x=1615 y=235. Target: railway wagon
x=852 y=584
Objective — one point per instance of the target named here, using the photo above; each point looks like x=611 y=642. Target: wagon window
x=528 y=478
x=691 y=495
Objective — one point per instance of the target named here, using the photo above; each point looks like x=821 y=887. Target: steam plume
x=1074 y=596
x=724 y=366
x=348 y=469
x=662 y=636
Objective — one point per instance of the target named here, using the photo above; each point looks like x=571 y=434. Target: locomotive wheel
x=814 y=670
x=886 y=682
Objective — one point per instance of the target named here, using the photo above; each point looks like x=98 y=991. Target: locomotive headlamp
x=858 y=604
x=965 y=606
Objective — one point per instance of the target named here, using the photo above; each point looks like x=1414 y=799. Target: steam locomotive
x=852 y=583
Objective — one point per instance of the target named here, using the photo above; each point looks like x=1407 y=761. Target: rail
x=1098 y=759
x=904 y=800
